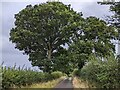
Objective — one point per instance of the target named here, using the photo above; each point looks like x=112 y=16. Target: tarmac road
x=64 y=85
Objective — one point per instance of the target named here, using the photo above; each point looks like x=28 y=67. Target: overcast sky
x=10 y=55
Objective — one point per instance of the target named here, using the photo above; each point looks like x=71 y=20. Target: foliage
x=79 y=52
x=94 y=37
x=104 y=73
x=76 y=72
x=56 y=74
x=63 y=63
x=98 y=35
x=41 y=29
x=114 y=20
x=13 y=77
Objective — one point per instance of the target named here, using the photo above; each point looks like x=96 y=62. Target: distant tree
x=100 y=34
x=40 y=30
x=79 y=53
x=94 y=38
x=114 y=20
x=62 y=62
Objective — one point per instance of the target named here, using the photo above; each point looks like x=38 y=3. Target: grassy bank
x=80 y=83
x=101 y=74
x=49 y=84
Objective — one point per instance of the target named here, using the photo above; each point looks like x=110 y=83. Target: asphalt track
x=66 y=84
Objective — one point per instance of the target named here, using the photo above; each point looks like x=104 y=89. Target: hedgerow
x=16 y=77
x=104 y=73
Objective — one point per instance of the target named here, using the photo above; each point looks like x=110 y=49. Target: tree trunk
x=49 y=51
x=49 y=54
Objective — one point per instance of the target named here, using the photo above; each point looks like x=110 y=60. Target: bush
x=21 y=77
x=56 y=74
x=103 y=73
x=76 y=72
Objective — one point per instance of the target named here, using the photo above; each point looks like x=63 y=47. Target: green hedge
x=56 y=74
x=21 y=77
x=104 y=73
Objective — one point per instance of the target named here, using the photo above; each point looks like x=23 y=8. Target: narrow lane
x=65 y=84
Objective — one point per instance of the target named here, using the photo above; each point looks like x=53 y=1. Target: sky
x=9 y=8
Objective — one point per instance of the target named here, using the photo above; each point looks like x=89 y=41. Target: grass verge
x=49 y=84
x=79 y=83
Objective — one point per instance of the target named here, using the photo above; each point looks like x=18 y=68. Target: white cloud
x=79 y=0
x=50 y=0
x=54 y=0
x=94 y=9
x=0 y=33
x=24 y=0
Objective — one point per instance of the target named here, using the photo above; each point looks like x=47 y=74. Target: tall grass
x=80 y=83
x=49 y=84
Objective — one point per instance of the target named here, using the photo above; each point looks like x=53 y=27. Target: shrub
x=21 y=77
x=103 y=73
x=76 y=72
x=56 y=74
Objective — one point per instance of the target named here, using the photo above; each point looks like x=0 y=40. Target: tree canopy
x=115 y=18
x=42 y=29
x=93 y=38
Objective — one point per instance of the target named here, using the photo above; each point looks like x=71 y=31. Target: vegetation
x=42 y=32
x=114 y=20
x=103 y=70
x=81 y=83
x=94 y=38
x=16 y=77
x=49 y=84
x=105 y=74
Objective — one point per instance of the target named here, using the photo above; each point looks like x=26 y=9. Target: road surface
x=64 y=85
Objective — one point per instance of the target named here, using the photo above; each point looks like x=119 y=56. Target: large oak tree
x=40 y=30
